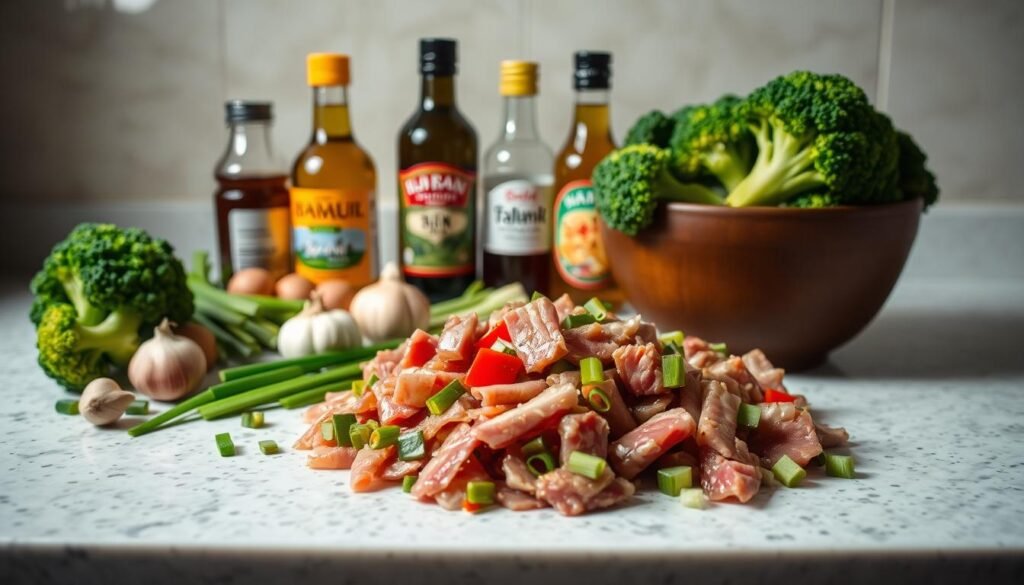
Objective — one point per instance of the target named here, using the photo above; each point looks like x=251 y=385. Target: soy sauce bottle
x=437 y=162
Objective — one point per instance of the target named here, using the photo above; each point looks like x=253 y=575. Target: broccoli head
x=654 y=128
x=630 y=182
x=74 y=354
x=712 y=139
x=101 y=268
x=915 y=180
x=816 y=133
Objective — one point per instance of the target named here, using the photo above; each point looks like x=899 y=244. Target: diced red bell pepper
x=500 y=331
x=493 y=367
x=773 y=395
x=422 y=347
x=471 y=507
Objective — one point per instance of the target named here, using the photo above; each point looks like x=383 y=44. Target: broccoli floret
x=915 y=180
x=74 y=354
x=654 y=128
x=630 y=182
x=101 y=268
x=816 y=133
x=712 y=139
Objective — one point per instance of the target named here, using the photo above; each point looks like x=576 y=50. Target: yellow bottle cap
x=326 y=69
x=518 y=78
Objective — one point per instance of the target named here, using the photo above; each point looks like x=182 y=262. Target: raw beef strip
x=399 y=469
x=340 y=403
x=445 y=463
x=785 y=429
x=830 y=437
x=569 y=493
x=517 y=501
x=734 y=369
x=619 y=490
x=619 y=418
x=517 y=475
x=432 y=425
x=312 y=435
x=699 y=353
x=640 y=447
x=385 y=362
x=508 y=393
x=457 y=338
x=564 y=306
x=723 y=479
x=567 y=377
x=602 y=339
x=368 y=466
x=536 y=335
x=691 y=395
x=768 y=376
x=414 y=386
x=451 y=497
x=648 y=406
x=717 y=426
x=332 y=457
x=586 y=432
x=499 y=315
x=420 y=348
x=639 y=368
x=504 y=429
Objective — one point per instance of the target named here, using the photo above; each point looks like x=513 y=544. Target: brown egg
x=251 y=281
x=336 y=294
x=294 y=287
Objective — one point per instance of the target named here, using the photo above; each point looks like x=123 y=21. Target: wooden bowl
x=796 y=283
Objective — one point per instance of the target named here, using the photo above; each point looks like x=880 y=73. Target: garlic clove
x=104 y=401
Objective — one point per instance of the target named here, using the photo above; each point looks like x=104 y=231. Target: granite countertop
x=932 y=394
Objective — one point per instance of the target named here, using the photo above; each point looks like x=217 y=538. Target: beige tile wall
x=98 y=104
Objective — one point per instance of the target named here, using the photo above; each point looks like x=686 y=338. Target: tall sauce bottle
x=516 y=195
x=333 y=186
x=252 y=198
x=580 y=265
x=437 y=162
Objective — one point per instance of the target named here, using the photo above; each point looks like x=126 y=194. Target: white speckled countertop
x=932 y=393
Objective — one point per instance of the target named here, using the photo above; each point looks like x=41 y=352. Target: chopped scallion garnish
x=480 y=492
x=839 y=466
x=225 y=445
x=385 y=436
x=67 y=406
x=138 y=407
x=537 y=295
x=358 y=387
x=673 y=480
x=252 y=420
x=534 y=446
x=359 y=435
x=748 y=416
x=598 y=400
x=373 y=380
x=693 y=498
x=591 y=370
x=327 y=430
x=719 y=347
x=586 y=465
x=596 y=308
x=407 y=483
x=672 y=338
x=269 y=447
x=342 y=424
x=372 y=423
x=574 y=321
x=673 y=370
x=540 y=463
x=442 y=401
x=411 y=446
x=788 y=472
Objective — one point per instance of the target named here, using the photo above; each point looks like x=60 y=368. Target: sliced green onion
x=673 y=480
x=342 y=424
x=252 y=420
x=671 y=348
x=839 y=466
x=138 y=407
x=67 y=406
x=540 y=463
x=385 y=436
x=442 y=401
x=358 y=387
x=225 y=445
x=748 y=416
x=788 y=472
x=534 y=446
x=719 y=347
x=359 y=435
x=327 y=430
x=574 y=321
x=598 y=400
x=480 y=492
x=673 y=370
x=819 y=459
x=591 y=370
x=693 y=498
x=407 y=483
x=561 y=366
x=373 y=380
x=310 y=363
x=372 y=424
x=411 y=446
x=596 y=308
x=307 y=397
x=586 y=465
x=269 y=447
x=672 y=338
x=503 y=347
x=537 y=295
x=274 y=392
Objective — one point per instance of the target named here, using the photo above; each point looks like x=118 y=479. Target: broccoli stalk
x=783 y=168
x=74 y=354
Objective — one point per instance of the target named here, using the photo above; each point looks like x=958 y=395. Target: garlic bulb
x=168 y=366
x=390 y=308
x=103 y=401
x=316 y=330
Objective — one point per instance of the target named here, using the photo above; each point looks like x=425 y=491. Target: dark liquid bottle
x=252 y=200
x=437 y=161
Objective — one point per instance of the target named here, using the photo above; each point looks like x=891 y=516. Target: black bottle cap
x=593 y=70
x=438 y=56
x=246 y=111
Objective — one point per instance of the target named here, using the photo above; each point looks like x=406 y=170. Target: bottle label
x=578 y=251
x=517 y=219
x=333 y=234
x=437 y=220
x=259 y=239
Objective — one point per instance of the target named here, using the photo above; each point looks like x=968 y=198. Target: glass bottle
x=252 y=199
x=580 y=264
x=516 y=195
x=437 y=162
x=333 y=186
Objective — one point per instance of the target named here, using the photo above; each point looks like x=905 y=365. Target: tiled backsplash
x=106 y=104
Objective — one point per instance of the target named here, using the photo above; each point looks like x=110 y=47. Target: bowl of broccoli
x=779 y=220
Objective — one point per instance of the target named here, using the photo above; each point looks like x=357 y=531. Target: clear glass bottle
x=333 y=186
x=516 y=194
x=252 y=198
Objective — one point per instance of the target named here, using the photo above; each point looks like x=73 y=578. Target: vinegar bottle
x=579 y=260
x=333 y=186
x=516 y=195
x=252 y=199
x=437 y=160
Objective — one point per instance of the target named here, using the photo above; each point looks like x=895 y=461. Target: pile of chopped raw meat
x=521 y=375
